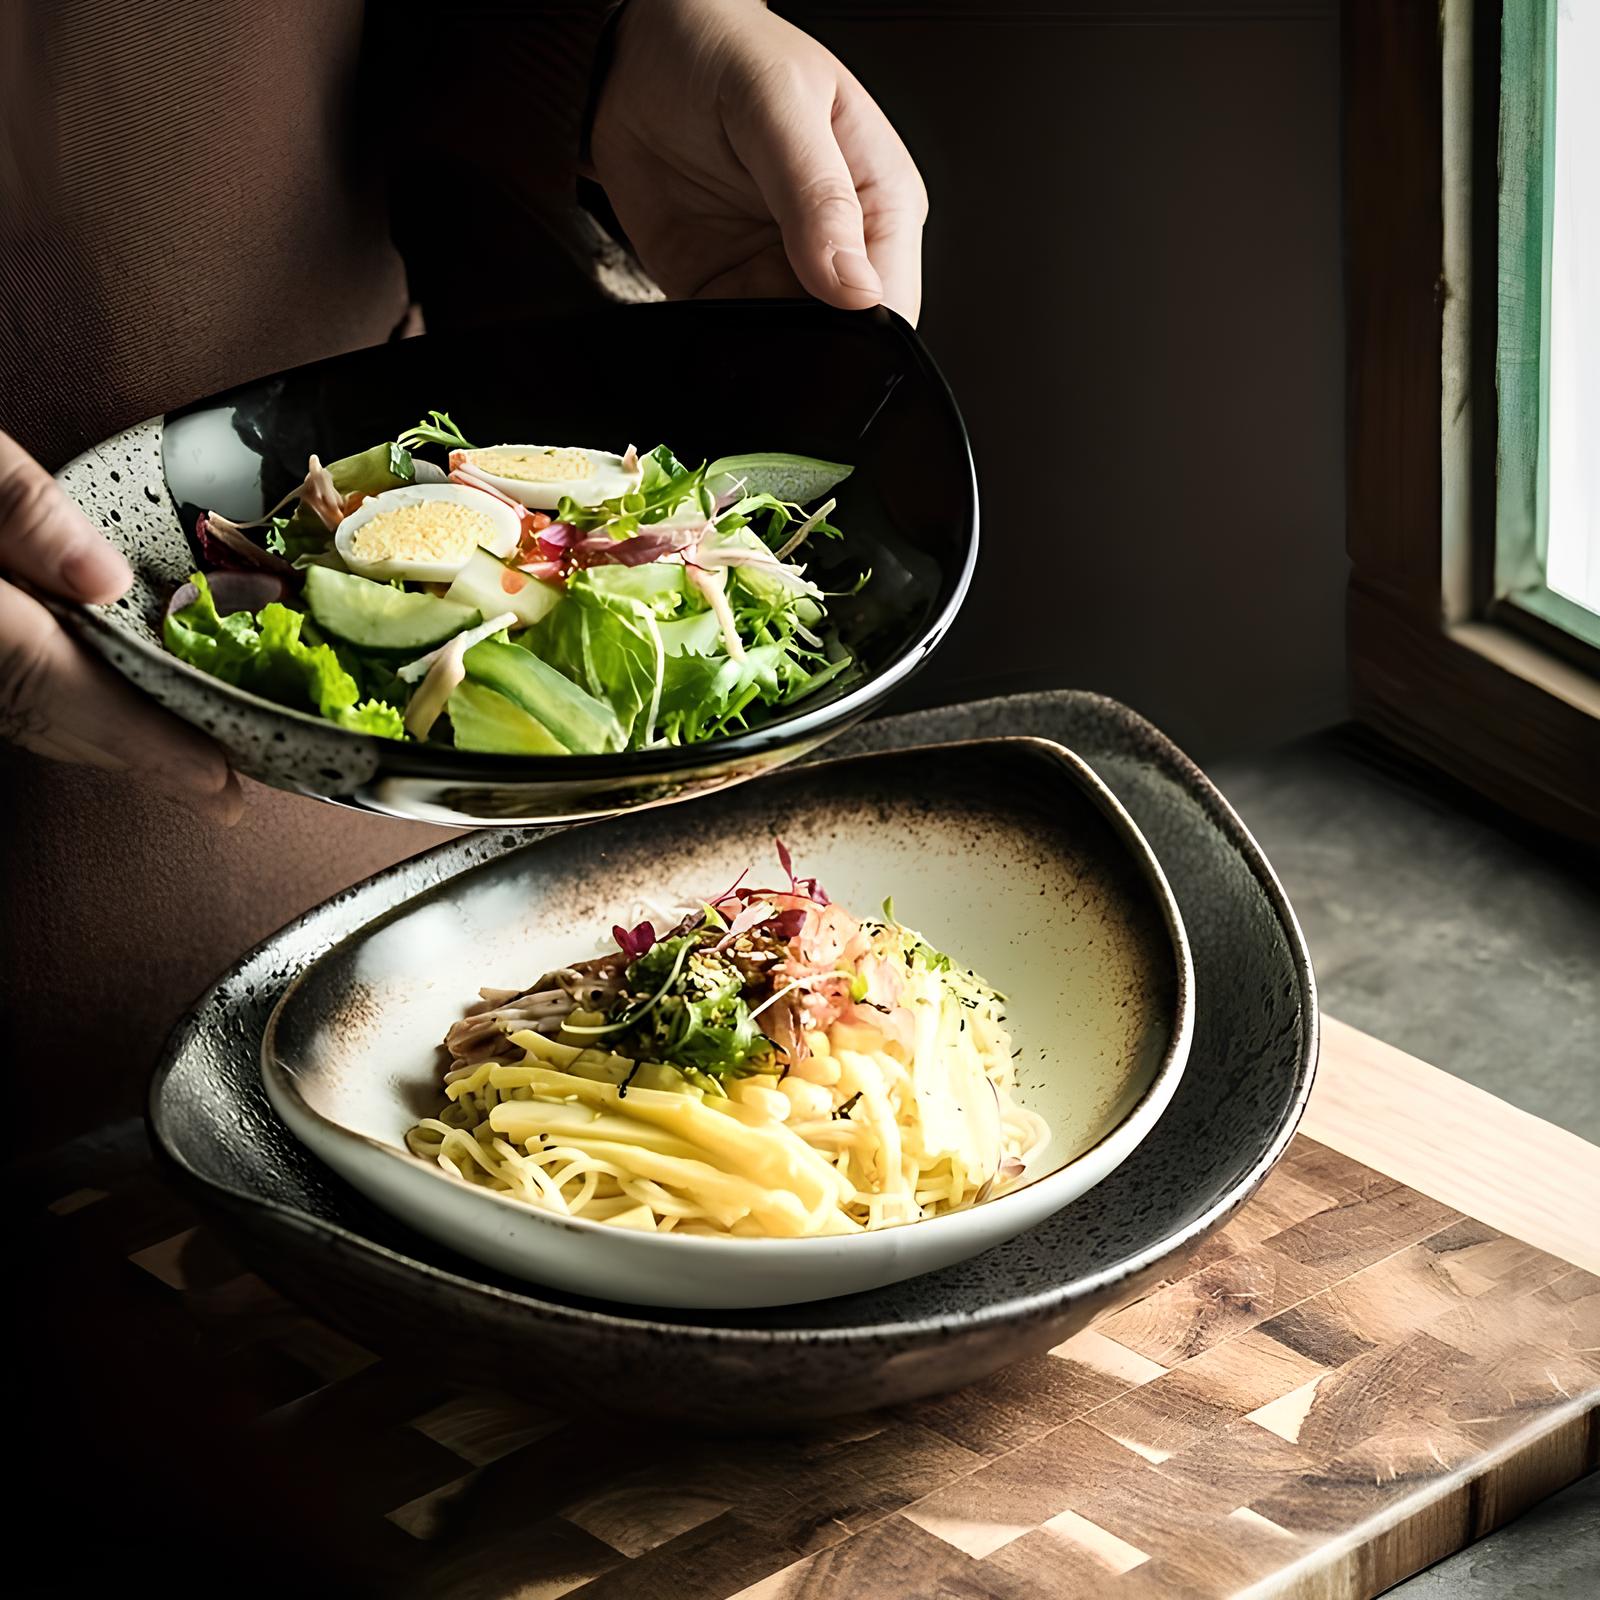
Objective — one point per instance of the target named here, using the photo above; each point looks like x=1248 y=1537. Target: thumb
x=784 y=136
x=46 y=540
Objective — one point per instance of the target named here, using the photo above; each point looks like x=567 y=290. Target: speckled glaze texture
x=120 y=487
x=909 y=508
x=1249 y=1073
x=1008 y=854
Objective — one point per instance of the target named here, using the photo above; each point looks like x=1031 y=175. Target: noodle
x=874 y=1112
x=609 y=1164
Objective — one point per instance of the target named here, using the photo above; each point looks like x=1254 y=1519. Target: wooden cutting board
x=1393 y=1349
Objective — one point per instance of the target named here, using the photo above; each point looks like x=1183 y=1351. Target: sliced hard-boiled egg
x=540 y=474
x=424 y=532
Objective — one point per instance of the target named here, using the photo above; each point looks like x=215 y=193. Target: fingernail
x=854 y=271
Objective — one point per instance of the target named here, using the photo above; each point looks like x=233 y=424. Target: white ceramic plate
x=1009 y=854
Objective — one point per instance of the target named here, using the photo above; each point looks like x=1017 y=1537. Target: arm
x=739 y=156
x=483 y=164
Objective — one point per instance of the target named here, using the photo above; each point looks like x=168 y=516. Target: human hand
x=54 y=699
x=742 y=159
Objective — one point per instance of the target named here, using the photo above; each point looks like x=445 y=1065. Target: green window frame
x=1522 y=356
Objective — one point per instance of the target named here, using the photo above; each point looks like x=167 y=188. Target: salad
x=523 y=599
x=760 y=1063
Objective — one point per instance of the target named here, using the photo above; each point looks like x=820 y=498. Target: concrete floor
x=1435 y=930
x=1437 y=927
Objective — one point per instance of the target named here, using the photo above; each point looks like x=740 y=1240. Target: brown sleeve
x=509 y=80
x=485 y=107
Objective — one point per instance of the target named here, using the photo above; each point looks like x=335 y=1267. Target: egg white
x=433 y=561
x=608 y=476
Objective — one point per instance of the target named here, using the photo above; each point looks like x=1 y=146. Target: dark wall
x=1133 y=286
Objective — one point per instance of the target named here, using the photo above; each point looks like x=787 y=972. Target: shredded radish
x=735 y=555
x=470 y=478
x=800 y=534
x=263 y=519
x=714 y=586
x=731 y=496
x=413 y=670
x=789 y=988
x=433 y=693
x=321 y=497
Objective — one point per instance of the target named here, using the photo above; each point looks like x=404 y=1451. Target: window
x=1547 y=537
x=1472 y=229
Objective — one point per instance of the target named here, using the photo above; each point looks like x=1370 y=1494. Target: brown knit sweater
x=192 y=195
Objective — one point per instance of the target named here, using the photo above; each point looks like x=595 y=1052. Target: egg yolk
x=535 y=466
x=431 y=530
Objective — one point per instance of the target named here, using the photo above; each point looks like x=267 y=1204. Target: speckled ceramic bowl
x=852 y=387
x=1249 y=1073
x=1007 y=853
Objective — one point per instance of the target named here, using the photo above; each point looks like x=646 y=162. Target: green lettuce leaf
x=270 y=655
x=608 y=644
x=376 y=717
x=198 y=634
x=297 y=538
x=702 y=696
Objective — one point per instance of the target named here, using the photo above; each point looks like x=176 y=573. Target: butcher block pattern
x=1349 y=1381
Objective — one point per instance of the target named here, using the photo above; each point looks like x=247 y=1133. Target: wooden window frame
x=1438 y=663
x=1520 y=594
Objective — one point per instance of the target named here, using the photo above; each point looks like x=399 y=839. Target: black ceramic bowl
x=1249 y=1073
x=707 y=378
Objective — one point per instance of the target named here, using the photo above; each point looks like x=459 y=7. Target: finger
x=894 y=202
x=57 y=701
x=47 y=540
x=783 y=133
x=894 y=242
x=766 y=275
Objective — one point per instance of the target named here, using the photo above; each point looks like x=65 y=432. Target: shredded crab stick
x=804 y=531
x=441 y=671
x=714 y=586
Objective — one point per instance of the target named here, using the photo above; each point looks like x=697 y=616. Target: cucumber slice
x=481 y=584
x=377 y=616
x=583 y=724
x=483 y=719
x=798 y=479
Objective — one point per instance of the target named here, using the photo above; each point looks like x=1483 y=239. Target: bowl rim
x=401 y=758
x=1040 y=1305
x=1126 y=1133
